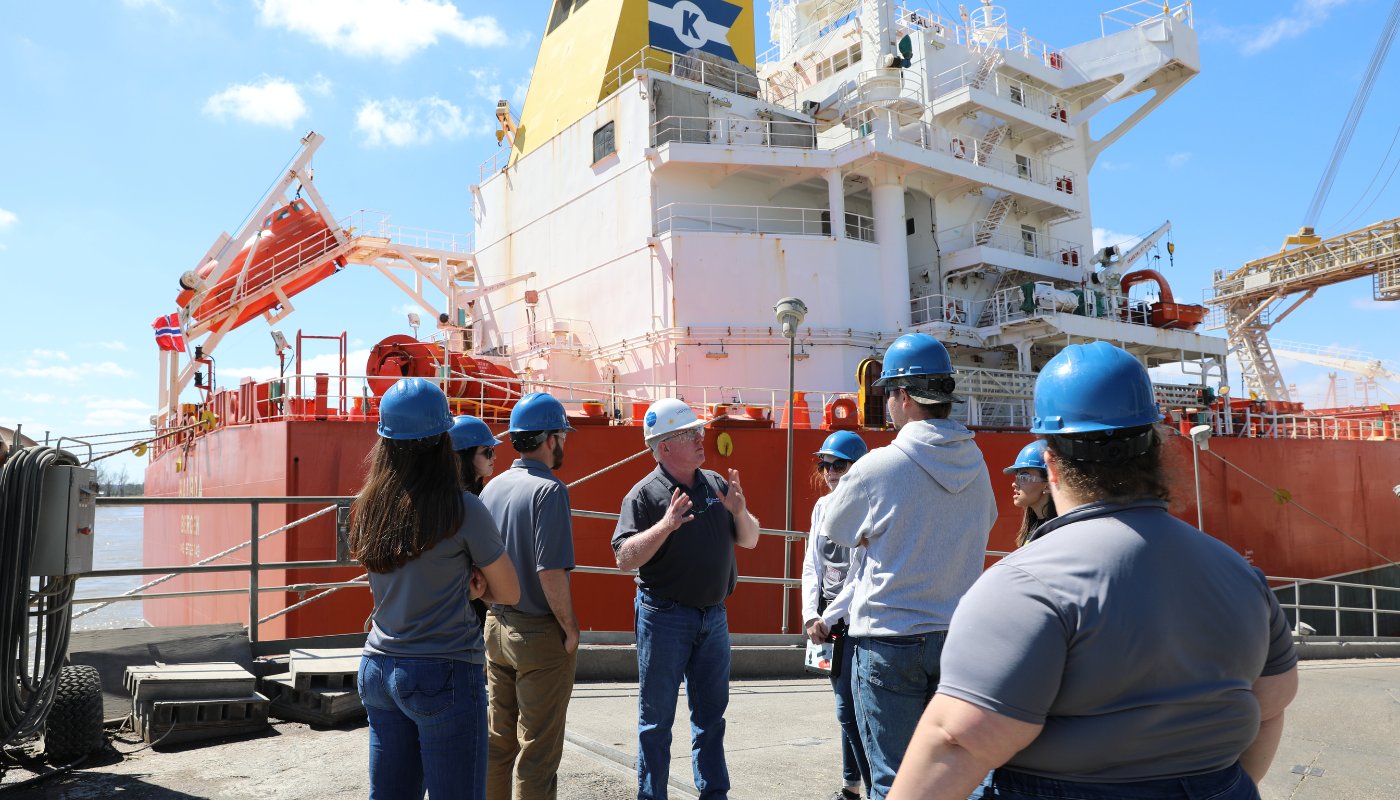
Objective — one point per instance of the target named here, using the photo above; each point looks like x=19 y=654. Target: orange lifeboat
x=1166 y=312
x=292 y=244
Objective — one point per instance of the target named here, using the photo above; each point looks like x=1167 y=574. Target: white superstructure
x=894 y=169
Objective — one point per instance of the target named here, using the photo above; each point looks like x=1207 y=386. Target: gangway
x=1250 y=296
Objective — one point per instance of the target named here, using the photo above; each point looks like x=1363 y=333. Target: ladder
x=988 y=225
x=985 y=68
x=989 y=142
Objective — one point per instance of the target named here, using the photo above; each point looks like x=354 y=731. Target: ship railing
x=1035 y=245
x=1142 y=12
x=1339 y=608
x=734 y=132
x=783 y=220
x=1018 y=92
x=996 y=34
x=543 y=335
x=310 y=251
x=376 y=223
x=692 y=69
x=835 y=16
x=495 y=164
x=1028 y=168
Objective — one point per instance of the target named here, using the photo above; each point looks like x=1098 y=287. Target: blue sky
x=137 y=130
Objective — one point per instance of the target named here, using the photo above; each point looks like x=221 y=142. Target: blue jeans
x=427 y=727
x=676 y=641
x=895 y=677
x=855 y=770
x=1231 y=783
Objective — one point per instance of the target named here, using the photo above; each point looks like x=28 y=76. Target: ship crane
x=1343 y=359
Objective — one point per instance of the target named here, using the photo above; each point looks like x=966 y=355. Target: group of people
x=468 y=667
x=1116 y=653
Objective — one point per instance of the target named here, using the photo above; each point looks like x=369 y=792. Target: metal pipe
x=787 y=487
x=253 y=568
x=1196 y=468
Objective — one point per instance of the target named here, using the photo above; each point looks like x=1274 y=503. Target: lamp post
x=790 y=312
x=1200 y=440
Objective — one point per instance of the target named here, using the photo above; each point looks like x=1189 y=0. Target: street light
x=1200 y=440
x=790 y=312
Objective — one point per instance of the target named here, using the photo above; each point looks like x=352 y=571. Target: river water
x=116 y=544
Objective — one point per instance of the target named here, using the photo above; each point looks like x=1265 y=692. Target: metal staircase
x=988 y=225
x=985 y=68
x=989 y=142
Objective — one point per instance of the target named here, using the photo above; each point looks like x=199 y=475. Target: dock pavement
x=1342 y=742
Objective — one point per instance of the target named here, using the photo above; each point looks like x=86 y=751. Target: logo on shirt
x=684 y=25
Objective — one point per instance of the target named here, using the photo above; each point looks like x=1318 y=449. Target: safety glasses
x=1024 y=478
x=692 y=435
x=839 y=465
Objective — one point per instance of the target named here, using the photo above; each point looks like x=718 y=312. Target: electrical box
x=67 y=512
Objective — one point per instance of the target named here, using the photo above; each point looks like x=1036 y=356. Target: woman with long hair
x=1030 y=490
x=1124 y=654
x=422 y=678
x=475 y=446
x=824 y=576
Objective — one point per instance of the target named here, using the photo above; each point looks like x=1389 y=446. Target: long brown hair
x=411 y=500
x=466 y=463
x=1023 y=536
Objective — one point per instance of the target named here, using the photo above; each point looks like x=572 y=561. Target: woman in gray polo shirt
x=422 y=677
x=1121 y=654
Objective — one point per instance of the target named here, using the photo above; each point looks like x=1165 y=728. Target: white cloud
x=319 y=84
x=519 y=89
x=66 y=373
x=486 y=84
x=55 y=355
x=392 y=30
x=106 y=419
x=1113 y=166
x=112 y=345
x=402 y=123
x=1301 y=18
x=7 y=218
x=42 y=399
x=1104 y=237
x=324 y=362
x=271 y=101
x=1177 y=160
x=1363 y=304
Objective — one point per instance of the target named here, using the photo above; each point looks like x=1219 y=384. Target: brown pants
x=530 y=679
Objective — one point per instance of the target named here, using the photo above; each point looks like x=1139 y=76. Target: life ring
x=959 y=149
x=951 y=313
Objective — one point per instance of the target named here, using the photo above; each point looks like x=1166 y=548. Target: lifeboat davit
x=1166 y=312
x=475 y=385
x=293 y=242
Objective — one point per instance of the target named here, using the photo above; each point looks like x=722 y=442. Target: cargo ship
x=662 y=188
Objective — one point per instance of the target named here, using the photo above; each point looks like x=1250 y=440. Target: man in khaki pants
x=531 y=646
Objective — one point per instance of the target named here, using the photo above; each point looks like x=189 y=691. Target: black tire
x=74 y=726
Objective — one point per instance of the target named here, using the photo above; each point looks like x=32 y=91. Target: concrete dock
x=1342 y=743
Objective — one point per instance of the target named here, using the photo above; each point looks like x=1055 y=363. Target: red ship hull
x=1347 y=484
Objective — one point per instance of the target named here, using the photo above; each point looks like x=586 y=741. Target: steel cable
x=31 y=678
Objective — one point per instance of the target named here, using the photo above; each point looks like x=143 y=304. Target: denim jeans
x=427 y=727
x=855 y=770
x=1231 y=783
x=676 y=641
x=895 y=677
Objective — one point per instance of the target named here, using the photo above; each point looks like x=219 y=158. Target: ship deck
x=1341 y=742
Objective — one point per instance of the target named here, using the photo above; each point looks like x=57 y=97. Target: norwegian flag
x=168 y=333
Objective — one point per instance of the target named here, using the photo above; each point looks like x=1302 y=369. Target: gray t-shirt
x=695 y=566
x=1131 y=636
x=422 y=609
x=531 y=508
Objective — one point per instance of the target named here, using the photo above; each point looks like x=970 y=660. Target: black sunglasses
x=489 y=452
x=839 y=465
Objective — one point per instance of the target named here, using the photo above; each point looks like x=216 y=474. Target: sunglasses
x=694 y=434
x=489 y=452
x=839 y=465
x=1023 y=478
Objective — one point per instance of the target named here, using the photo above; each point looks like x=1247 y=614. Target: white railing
x=1027 y=168
x=1023 y=94
x=688 y=68
x=733 y=132
x=376 y=223
x=944 y=308
x=1036 y=246
x=551 y=333
x=1142 y=12
x=494 y=164
x=1364 y=605
x=785 y=220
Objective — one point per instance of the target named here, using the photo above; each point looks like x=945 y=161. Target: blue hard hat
x=844 y=445
x=913 y=355
x=538 y=411
x=1093 y=387
x=1032 y=456
x=414 y=408
x=469 y=431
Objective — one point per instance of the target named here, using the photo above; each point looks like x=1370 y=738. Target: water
x=117 y=544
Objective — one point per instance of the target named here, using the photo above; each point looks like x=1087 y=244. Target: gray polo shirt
x=695 y=566
x=1131 y=636
x=422 y=608
x=531 y=507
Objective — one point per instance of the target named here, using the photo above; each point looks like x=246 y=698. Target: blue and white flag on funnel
x=684 y=25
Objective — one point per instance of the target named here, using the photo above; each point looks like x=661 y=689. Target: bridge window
x=604 y=142
x=562 y=10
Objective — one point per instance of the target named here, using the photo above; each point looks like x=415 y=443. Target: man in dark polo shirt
x=678 y=528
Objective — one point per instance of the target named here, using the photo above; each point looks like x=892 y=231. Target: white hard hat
x=667 y=416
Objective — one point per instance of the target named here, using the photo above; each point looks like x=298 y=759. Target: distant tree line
x=116 y=482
